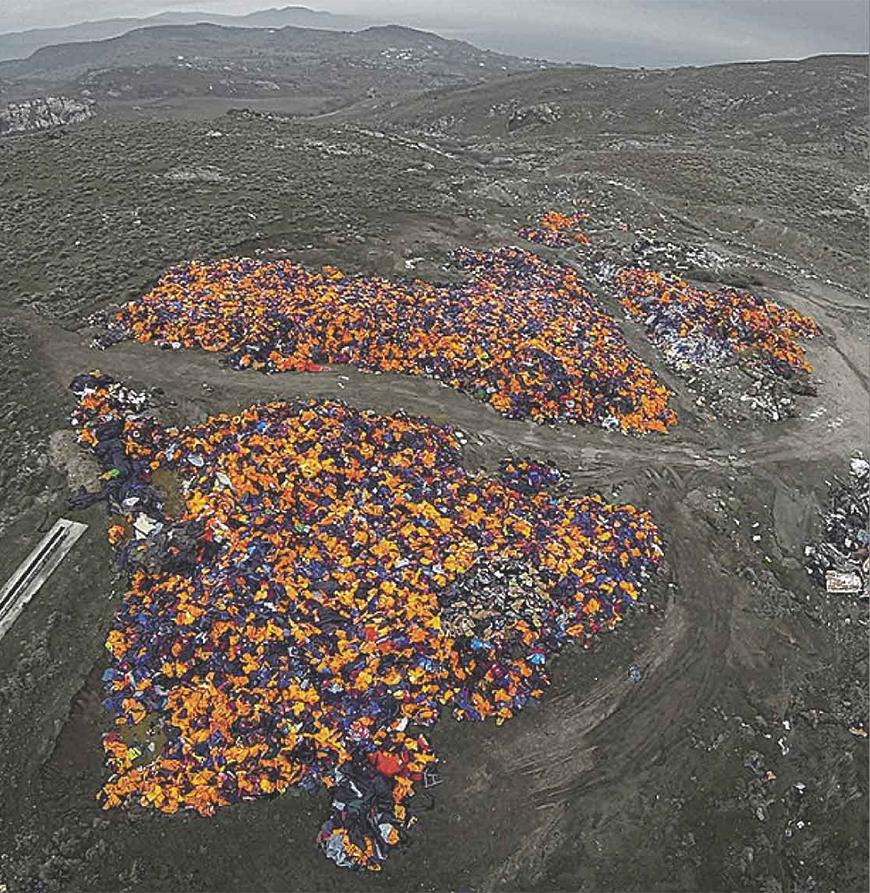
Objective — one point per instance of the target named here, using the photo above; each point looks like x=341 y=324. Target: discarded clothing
x=523 y=335
x=122 y=488
x=350 y=579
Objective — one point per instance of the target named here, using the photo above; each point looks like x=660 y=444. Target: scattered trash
x=201 y=173
x=538 y=113
x=144 y=525
x=658 y=254
x=430 y=778
x=523 y=335
x=695 y=328
x=841 y=561
x=859 y=467
x=843 y=581
x=43 y=113
x=353 y=579
x=529 y=476
x=737 y=352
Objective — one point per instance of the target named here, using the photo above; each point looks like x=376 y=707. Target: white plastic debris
x=145 y=525
x=842 y=581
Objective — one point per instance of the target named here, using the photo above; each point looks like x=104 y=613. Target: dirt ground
x=603 y=785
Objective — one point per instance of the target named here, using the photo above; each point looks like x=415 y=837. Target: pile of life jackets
x=521 y=334
x=695 y=328
x=340 y=598
x=557 y=230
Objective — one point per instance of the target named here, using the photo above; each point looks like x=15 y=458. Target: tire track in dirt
x=181 y=374
x=687 y=646
x=592 y=740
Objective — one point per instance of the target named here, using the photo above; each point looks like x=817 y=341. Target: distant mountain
x=329 y=68
x=20 y=44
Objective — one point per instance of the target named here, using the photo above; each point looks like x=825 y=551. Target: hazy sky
x=621 y=32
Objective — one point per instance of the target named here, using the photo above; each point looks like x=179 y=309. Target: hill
x=21 y=44
x=818 y=100
x=333 y=67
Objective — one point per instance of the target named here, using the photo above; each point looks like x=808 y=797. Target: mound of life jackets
x=696 y=329
x=350 y=581
x=557 y=230
x=521 y=334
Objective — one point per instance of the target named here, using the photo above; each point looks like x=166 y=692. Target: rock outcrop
x=43 y=113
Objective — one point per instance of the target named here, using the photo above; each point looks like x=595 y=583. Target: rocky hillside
x=817 y=100
x=211 y=60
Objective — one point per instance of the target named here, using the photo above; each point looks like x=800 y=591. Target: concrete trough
x=36 y=569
